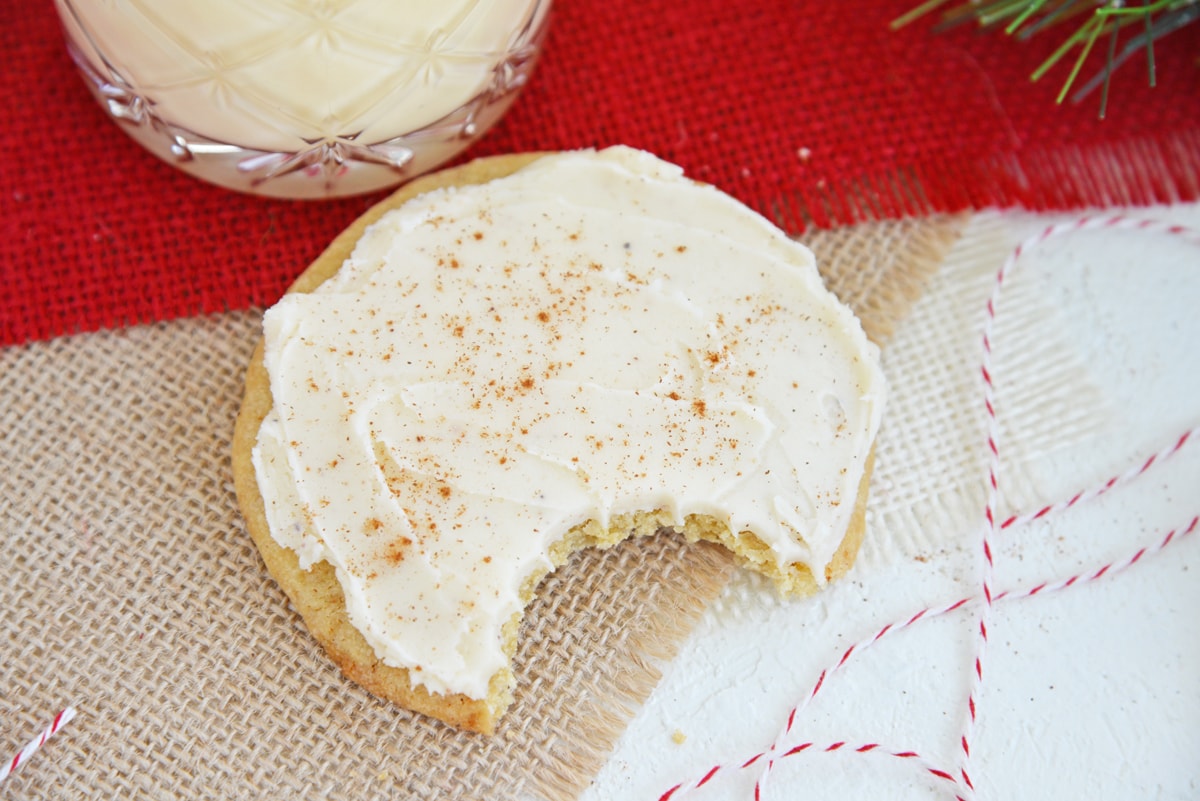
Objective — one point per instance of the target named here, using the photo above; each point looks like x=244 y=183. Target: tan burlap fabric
x=130 y=590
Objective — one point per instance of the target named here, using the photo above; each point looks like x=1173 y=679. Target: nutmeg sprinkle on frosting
x=591 y=336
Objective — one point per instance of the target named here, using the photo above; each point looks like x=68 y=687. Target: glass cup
x=305 y=98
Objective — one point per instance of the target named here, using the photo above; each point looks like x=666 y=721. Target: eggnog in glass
x=305 y=98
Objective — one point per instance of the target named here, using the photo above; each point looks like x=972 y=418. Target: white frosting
x=590 y=336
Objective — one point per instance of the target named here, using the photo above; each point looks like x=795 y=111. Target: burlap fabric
x=131 y=590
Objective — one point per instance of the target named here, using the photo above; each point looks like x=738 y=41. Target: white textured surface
x=1093 y=692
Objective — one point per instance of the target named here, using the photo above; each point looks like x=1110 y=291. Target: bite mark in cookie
x=588 y=348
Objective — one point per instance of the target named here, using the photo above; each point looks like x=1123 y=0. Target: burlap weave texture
x=131 y=590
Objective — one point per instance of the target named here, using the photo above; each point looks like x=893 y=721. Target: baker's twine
x=957 y=780
x=21 y=757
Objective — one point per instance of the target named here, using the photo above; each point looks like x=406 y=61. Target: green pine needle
x=1024 y=18
x=1093 y=27
x=925 y=8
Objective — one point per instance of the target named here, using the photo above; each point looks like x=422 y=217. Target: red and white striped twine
x=1095 y=492
x=61 y=719
x=776 y=752
x=958 y=779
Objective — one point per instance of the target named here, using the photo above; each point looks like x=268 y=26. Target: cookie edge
x=316 y=594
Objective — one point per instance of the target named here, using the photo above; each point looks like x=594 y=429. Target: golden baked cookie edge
x=316 y=594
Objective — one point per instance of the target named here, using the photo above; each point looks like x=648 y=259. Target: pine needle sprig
x=1022 y=19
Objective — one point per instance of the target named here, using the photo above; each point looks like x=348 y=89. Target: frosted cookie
x=514 y=359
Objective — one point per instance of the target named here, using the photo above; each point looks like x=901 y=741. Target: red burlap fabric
x=812 y=112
